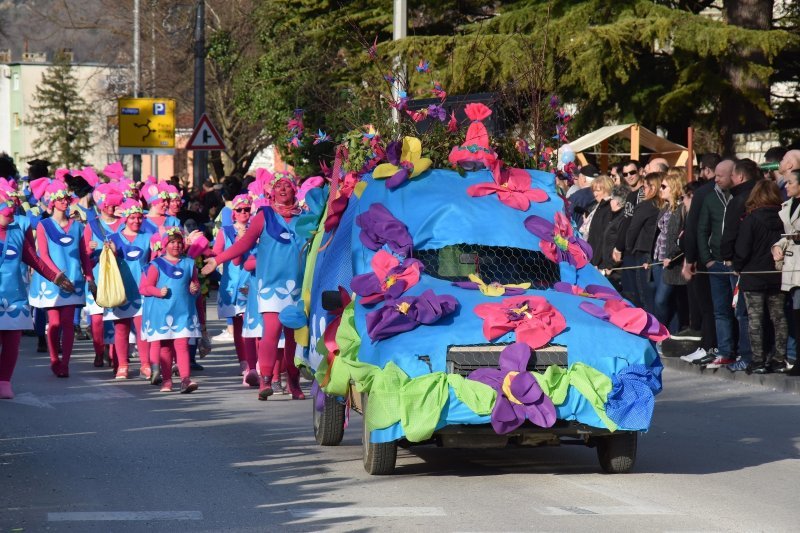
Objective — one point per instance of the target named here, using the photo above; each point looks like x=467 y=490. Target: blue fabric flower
x=630 y=403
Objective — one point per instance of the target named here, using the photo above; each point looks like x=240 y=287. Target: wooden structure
x=640 y=137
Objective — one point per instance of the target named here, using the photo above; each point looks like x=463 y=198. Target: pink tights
x=98 y=341
x=8 y=354
x=60 y=325
x=122 y=330
x=238 y=340
x=163 y=350
x=268 y=350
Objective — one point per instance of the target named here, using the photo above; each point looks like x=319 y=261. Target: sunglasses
x=242 y=209
x=631 y=173
x=663 y=186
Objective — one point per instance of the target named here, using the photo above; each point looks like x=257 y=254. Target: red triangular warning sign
x=205 y=136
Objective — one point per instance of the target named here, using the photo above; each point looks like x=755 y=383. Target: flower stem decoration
x=405 y=162
x=519 y=396
x=492 y=289
x=558 y=241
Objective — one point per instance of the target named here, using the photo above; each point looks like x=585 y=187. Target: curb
x=776 y=382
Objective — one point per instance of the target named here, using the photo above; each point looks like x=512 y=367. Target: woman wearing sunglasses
x=231 y=301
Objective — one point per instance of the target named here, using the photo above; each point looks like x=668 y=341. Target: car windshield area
x=499 y=264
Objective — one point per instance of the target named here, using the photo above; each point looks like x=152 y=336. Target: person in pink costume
x=173 y=199
x=157 y=219
x=170 y=286
x=61 y=246
x=15 y=313
x=98 y=232
x=279 y=272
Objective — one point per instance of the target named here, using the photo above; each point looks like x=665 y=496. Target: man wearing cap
x=582 y=199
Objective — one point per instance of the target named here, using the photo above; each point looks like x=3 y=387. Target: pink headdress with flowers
x=114 y=171
x=169 y=234
x=475 y=153
x=153 y=191
x=129 y=207
x=107 y=194
x=288 y=176
x=47 y=190
x=8 y=187
x=241 y=200
x=171 y=191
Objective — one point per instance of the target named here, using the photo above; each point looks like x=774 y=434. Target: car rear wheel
x=379 y=457
x=329 y=421
x=617 y=452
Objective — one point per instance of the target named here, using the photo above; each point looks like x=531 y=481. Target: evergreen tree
x=61 y=116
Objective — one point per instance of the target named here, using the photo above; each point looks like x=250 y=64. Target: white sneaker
x=225 y=336
x=694 y=356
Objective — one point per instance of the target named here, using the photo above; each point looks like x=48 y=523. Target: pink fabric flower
x=631 y=319
x=558 y=242
x=513 y=188
x=390 y=278
x=599 y=292
x=533 y=319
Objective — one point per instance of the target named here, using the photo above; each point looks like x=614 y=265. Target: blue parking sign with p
x=159 y=108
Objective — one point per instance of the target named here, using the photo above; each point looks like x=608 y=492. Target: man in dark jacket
x=631 y=176
x=744 y=177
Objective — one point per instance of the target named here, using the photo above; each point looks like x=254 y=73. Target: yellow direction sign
x=146 y=126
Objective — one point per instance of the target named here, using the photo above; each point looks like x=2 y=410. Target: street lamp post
x=137 y=158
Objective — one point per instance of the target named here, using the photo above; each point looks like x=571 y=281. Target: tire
x=617 y=452
x=328 y=423
x=379 y=458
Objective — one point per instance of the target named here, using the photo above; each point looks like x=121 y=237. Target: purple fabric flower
x=558 y=241
x=590 y=291
x=437 y=112
x=408 y=312
x=389 y=278
x=519 y=396
x=379 y=227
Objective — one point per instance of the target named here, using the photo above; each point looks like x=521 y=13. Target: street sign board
x=205 y=136
x=146 y=125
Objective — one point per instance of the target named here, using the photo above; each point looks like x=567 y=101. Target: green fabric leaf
x=347 y=337
x=595 y=387
x=480 y=398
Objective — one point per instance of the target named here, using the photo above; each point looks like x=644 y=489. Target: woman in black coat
x=641 y=239
x=602 y=256
x=760 y=229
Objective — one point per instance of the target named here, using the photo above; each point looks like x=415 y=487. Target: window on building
x=15 y=81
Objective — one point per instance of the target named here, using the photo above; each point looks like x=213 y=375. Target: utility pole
x=137 y=159
x=153 y=157
x=200 y=165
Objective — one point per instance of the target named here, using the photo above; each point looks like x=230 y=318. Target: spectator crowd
x=716 y=259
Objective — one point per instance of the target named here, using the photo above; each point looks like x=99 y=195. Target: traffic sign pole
x=200 y=163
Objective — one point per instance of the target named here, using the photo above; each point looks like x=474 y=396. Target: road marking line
x=353 y=512
x=124 y=516
x=51 y=436
x=605 y=510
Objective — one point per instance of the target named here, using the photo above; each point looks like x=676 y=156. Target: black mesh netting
x=464 y=359
x=492 y=263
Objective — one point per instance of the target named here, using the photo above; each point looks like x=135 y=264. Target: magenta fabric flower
x=513 y=188
x=533 y=319
x=389 y=279
x=519 y=396
x=558 y=242
x=629 y=318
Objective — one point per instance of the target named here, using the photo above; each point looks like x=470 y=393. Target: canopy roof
x=658 y=146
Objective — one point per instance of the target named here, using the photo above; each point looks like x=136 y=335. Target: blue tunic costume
x=132 y=258
x=279 y=274
x=149 y=226
x=230 y=301
x=15 y=313
x=100 y=232
x=174 y=316
x=64 y=251
x=252 y=322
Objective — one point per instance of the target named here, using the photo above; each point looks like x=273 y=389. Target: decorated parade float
x=458 y=306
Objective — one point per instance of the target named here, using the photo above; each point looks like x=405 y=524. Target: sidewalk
x=776 y=382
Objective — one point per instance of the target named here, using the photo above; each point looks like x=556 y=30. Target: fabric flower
x=379 y=227
x=405 y=162
x=341 y=191
x=533 y=319
x=600 y=292
x=390 y=278
x=492 y=289
x=437 y=112
x=407 y=312
x=629 y=318
x=475 y=153
x=513 y=189
x=631 y=400
x=559 y=243
x=519 y=396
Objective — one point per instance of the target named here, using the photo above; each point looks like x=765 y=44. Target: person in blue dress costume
x=279 y=274
x=98 y=231
x=60 y=244
x=157 y=197
x=131 y=246
x=170 y=287
x=231 y=302
x=16 y=250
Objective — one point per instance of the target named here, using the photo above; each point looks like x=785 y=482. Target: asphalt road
x=90 y=454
